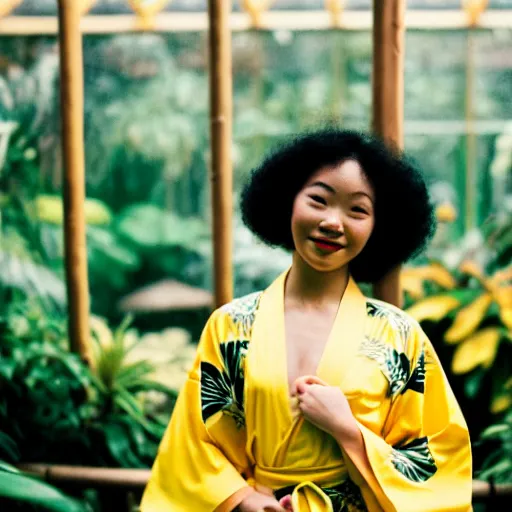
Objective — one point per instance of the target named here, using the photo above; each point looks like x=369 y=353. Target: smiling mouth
x=326 y=245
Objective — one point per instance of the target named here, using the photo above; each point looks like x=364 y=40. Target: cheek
x=362 y=230
x=301 y=216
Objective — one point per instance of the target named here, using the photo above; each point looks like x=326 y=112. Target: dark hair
x=404 y=215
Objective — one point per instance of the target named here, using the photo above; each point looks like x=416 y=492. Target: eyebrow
x=361 y=193
x=324 y=186
x=332 y=191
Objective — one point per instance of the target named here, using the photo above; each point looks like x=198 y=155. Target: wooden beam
x=388 y=102
x=136 y=479
x=72 y=115
x=221 y=111
x=272 y=20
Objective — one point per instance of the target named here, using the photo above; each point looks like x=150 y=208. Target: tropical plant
x=498 y=440
x=16 y=488
x=482 y=317
x=132 y=428
x=57 y=410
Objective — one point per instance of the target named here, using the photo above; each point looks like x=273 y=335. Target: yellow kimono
x=235 y=426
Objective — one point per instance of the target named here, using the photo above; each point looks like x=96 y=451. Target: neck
x=304 y=285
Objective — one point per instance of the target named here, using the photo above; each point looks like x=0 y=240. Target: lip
x=326 y=245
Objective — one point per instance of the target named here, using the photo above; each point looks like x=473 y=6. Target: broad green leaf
x=22 y=488
x=495 y=431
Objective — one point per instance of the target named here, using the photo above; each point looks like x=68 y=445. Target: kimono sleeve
x=193 y=469
x=421 y=458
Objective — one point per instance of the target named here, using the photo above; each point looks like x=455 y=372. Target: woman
x=310 y=396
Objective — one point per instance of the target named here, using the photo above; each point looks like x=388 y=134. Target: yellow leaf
x=50 y=209
x=468 y=319
x=433 y=308
x=503 y=297
x=441 y=276
x=412 y=284
x=503 y=275
x=412 y=279
x=478 y=350
x=501 y=403
x=473 y=269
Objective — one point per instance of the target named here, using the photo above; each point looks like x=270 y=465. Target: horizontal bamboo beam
x=136 y=479
x=272 y=20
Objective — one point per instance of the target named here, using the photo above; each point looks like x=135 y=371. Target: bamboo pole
x=81 y=477
x=176 y=21
x=388 y=101
x=71 y=90
x=221 y=86
x=470 y=138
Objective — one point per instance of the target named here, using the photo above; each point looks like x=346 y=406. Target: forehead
x=347 y=176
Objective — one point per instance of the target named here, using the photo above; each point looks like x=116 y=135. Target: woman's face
x=333 y=216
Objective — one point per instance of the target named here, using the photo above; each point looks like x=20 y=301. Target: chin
x=324 y=265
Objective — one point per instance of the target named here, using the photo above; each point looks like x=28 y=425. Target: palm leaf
x=414 y=460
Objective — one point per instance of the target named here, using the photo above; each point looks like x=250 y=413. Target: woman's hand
x=259 y=502
x=326 y=407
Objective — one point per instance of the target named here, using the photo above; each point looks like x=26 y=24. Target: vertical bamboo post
x=471 y=140
x=220 y=132
x=388 y=100
x=72 y=115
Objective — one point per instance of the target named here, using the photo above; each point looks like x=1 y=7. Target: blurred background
x=148 y=214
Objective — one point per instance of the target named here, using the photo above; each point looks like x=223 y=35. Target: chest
x=306 y=335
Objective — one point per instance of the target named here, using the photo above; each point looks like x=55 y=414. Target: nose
x=331 y=225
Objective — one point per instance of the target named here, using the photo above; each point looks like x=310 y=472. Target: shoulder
x=391 y=325
x=396 y=342
x=237 y=317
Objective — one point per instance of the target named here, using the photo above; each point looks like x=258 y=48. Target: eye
x=359 y=209
x=318 y=199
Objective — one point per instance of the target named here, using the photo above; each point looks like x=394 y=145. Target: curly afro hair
x=404 y=215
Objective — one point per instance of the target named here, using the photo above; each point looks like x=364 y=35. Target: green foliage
x=20 y=488
x=498 y=440
x=462 y=294
x=54 y=409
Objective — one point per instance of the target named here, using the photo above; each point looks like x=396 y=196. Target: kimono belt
x=307 y=495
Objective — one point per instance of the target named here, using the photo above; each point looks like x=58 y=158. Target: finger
x=300 y=384
x=286 y=503
x=313 y=379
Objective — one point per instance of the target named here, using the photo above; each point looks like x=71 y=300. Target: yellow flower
x=445 y=212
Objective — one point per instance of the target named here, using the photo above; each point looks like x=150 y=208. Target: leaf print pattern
x=224 y=390
x=395 y=366
x=414 y=460
x=396 y=318
x=242 y=312
x=416 y=381
x=346 y=497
